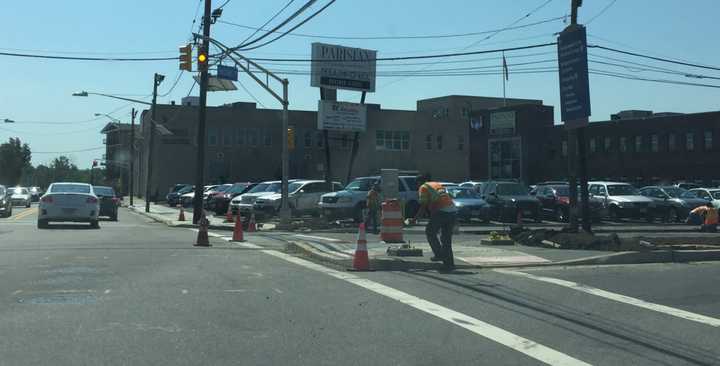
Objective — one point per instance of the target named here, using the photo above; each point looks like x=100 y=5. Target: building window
x=227 y=137
x=708 y=140
x=320 y=142
x=564 y=148
x=608 y=144
x=465 y=112
x=240 y=136
x=461 y=143
x=672 y=146
x=308 y=139
x=690 y=141
x=623 y=144
x=252 y=137
x=267 y=137
x=638 y=143
x=439 y=139
x=212 y=137
x=593 y=145
x=392 y=140
x=428 y=142
x=654 y=143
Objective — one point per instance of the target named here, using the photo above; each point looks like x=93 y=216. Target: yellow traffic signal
x=291 y=138
x=186 y=58
x=202 y=60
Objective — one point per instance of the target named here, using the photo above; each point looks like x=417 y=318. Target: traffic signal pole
x=202 y=112
x=131 y=179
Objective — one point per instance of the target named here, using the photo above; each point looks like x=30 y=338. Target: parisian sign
x=340 y=67
x=573 y=67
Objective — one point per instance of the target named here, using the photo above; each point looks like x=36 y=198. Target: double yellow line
x=26 y=213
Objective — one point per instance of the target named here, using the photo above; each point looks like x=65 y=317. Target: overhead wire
x=289 y=19
x=266 y=23
x=601 y=12
x=655 y=58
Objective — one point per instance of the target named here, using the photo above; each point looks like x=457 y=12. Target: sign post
x=575 y=110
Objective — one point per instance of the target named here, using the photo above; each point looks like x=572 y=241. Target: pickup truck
x=350 y=202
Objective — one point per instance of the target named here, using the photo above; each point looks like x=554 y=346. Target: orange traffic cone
x=252 y=227
x=238 y=232
x=202 y=238
x=228 y=215
x=361 y=262
x=181 y=216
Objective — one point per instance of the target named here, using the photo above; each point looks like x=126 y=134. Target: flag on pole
x=505 y=67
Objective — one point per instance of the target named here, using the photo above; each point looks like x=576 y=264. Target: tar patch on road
x=74 y=298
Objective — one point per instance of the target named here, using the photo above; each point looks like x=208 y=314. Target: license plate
x=69 y=210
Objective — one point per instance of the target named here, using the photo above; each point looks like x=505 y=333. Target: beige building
x=244 y=142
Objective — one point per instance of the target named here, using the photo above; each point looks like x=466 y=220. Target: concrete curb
x=173 y=223
x=614 y=258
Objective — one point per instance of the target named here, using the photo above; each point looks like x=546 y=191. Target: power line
x=664 y=81
x=640 y=49
x=85 y=52
x=656 y=69
x=266 y=23
x=289 y=19
x=291 y=29
x=427 y=36
x=251 y=94
x=177 y=79
x=655 y=58
x=86 y=58
x=124 y=106
x=223 y=5
x=69 y=151
x=601 y=12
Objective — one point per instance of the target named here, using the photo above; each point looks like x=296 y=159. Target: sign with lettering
x=573 y=67
x=339 y=67
x=341 y=116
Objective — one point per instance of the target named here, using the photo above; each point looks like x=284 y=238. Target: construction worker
x=373 y=206
x=440 y=208
x=710 y=214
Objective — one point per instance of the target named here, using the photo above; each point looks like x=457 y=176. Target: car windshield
x=262 y=187
x=511 y=190
x=237 y=188
x=363 y=184
x=674 y=192
x=104 y=191
x=292 y=187
x=221 y=189
x=179 y=187
x=273 y=187
x=20 y=190
x=70 y=188
x=463 y=193
x=621 y=190
x=563 y=191
x=185 y=190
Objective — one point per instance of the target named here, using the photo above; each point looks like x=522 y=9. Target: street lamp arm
x=85 y=94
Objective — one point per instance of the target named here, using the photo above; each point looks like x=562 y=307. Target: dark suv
x=673 y=204
x=109 y=202
x=5 y=202
x=508 y=199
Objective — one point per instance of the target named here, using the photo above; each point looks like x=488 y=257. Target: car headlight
x=344 y=200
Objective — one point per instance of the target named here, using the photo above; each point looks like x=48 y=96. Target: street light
x=86 y=94
x=108 y=116
x=8 y=120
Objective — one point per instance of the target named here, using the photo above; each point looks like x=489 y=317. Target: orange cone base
x=202 y=240
x=361 y=262
x=238 y=232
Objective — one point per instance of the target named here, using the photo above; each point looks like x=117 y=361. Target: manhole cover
x=70 y=298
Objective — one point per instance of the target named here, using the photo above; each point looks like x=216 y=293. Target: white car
x=303 y=197
x=74 y=202
x=186 y=200
x=20 y=196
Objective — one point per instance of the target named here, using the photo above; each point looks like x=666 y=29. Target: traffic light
x=186 y=57
x=202 y=60
x=95 y=163
x=291 y=138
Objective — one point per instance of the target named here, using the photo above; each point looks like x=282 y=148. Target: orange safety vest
x=711 y=214
x=435 y=196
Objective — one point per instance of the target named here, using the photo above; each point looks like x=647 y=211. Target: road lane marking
x=238 y=290
x=332 y=240
x=714 y=322
x=184 y=291
x=526 y=346
x=25 y=213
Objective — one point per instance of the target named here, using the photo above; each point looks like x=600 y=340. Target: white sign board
x=502 y=123
x=339 y=67
x=341 y=116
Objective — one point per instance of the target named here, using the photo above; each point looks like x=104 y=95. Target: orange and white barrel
x=392 y=222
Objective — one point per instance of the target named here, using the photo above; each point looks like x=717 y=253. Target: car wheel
x=27 y=204
x=560 y=215
x=42 y=224
x=95 y=224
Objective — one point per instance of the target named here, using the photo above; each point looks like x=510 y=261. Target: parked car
x=109 y=202
x=243 y=204
x=303 y=198
x=477 y=186
x=35 y=193
x=350 y=201
x=219 y=202
x=20 y=196
x=449 y=184
x=687 y=186
x=186 y=199
x=554 y=199
x=220 y=189
x=708 y=194
x=469 y=204
x=173 y=197
x=672 y=204
x=74 y=202
x=507 y=199
x=622 y=200
x=5 y=202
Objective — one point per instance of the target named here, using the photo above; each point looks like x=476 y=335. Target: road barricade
x=392 y=222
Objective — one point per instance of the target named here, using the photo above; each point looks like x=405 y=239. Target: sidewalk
x=469 y=253
x=169 y=215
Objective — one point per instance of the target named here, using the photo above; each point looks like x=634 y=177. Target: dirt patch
x=563 y=239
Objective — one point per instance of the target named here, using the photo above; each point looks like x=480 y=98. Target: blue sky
x=36 y=90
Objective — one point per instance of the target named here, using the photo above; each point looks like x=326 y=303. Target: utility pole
x=157 y=79
x=131 y=174
x=328 y=94
x=284 y=196
x=200 y=160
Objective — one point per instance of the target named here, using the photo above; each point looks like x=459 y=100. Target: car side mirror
x=301 y=191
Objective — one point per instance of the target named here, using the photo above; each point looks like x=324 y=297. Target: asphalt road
x=138 y=293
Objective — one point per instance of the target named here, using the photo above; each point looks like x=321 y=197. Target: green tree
x=14 y=157
x=63 y=169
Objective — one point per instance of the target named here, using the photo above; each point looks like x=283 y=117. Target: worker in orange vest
x=440 y=208
x=710 y=214
x=373 y=206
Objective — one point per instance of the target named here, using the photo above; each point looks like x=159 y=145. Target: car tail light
x=91 y=200
x=47 y=199
x=115 y=200
x=565 y=200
